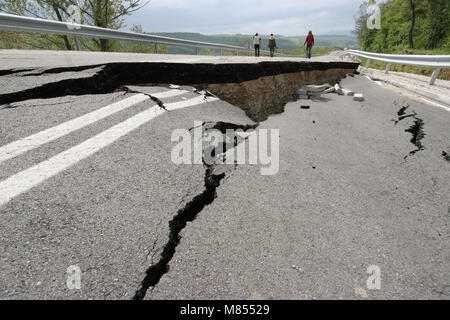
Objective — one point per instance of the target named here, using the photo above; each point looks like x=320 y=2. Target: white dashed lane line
x=18 y=147
x=29 y=178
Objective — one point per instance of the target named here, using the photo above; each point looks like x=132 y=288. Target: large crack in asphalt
x=153 y=98
x=205 y=94
x=402 y=114
x=418 y=134
x=416 y=129
x=115 y=75
x=13 y=71
x=446 y=156
x=61 y=70
x=190 y=211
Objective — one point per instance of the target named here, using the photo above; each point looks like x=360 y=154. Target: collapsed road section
x=260 y=89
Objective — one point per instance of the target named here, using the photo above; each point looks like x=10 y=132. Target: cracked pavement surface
x=109 y=213
x=344 y=199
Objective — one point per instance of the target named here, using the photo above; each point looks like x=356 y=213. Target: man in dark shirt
x=272 y=44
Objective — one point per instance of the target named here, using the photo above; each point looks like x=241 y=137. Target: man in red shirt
x=309 y=44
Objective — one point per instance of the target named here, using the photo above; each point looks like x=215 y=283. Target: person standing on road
x=272 y=45
x=309 y=44
x=257 y=44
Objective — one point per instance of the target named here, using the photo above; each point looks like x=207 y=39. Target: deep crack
x=402 y=110
x=62 y=70
x=417 y=135
x=155 y=99
x=13 y=71
x=446 y=157
x=176 y=225
x=188 y=214
x=114 y=75
x=224 y=126
x=402 y=114
x=416 y=129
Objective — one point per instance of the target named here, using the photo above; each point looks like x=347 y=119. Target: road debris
x=347 y=92
x=338 y=89
x=315 y=91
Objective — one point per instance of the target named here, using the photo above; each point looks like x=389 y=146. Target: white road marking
x=31 y=177
x=376 y=81
x=195 y=101
x=436 y=104
x=18 y=147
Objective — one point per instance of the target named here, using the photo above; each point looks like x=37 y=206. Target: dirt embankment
x=267 y=95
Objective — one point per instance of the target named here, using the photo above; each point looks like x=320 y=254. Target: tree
x=107 y=14
x=146 y=47
x=412 y=5
x=101 y=13
x=414 y=24
x=361 y=31
x=439 y=21
x=46 y=9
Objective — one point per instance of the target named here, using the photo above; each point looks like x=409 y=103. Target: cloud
x=287 y=17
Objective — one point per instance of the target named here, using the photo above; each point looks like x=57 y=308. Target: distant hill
x=348 y=33
x=287 y=43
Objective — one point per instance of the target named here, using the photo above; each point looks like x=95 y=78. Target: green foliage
x=431 y=28
x=101 y=13
x=206 y=52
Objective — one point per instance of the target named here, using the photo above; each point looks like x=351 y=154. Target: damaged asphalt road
x=108 y=214
x=141 y=227
x=344 y=200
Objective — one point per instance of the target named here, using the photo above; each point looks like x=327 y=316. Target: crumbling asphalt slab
x=110 y=77
x=21 y=81
x=345 y=199
x=109 y=213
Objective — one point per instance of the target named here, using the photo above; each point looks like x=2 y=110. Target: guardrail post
x=156 y=48
x=237 y=52
x=368 y=63
x=434 y=76
x=77 y=43
x=387 y=68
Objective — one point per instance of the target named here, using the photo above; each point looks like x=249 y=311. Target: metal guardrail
x=434 y=61
x=28 y=24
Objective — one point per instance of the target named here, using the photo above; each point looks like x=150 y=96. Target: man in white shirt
x=257 y=43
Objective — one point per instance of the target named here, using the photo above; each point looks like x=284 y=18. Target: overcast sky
x=285 y=17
